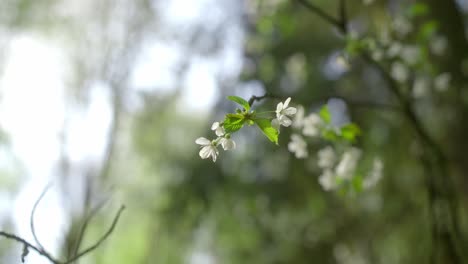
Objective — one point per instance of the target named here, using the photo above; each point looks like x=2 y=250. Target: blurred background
x=104 y=100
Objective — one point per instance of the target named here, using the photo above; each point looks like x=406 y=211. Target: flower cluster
x=406 y=51
x=338 y=161
x=209 y=148
x=235 y=121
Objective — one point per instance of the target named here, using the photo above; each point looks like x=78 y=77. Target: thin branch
x=102 y=239
x=30 y=246
x=322 y=14
x=31 y=219
x=343 y=16
x=86 y=222
x=353 y=103
x=255 y=98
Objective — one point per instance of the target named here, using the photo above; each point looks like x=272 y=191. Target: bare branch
x=29 y=245
x=325 y=16
x=102 y=239
x=86 y=222
x=31 y=220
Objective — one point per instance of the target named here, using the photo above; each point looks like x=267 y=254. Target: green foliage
x=325 y=114
x=418 y=9
x=239 y=101
x=350 y=131
x=265 y=126
x=233 y=122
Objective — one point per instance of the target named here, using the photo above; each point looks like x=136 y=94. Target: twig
x=255 y=98
x=29 y=245
x=322 y=14
x=31 y=219
x=102 y=239
x=86 y=222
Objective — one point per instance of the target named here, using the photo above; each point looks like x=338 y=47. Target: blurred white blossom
x=326 y=157
x=399 y=72
x=402 y=26
x=394 y=49
x=374 y=175
x=298 y=146
x=312 y=124
x=442 y=82
x=298 y=121
x=328 y=180
x=421 y=87
x=438 y=45
x=348 y=163
x=410 y=54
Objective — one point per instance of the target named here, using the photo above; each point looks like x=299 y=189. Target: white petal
x=279 y=108
x=215 y=125
x=285 y=121
x=286 y=103
x=220 y=131
x=203 y=141
x=205 y=152
x=290 y=111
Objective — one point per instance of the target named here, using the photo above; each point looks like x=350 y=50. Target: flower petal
x=285 y=121
x=205 y=152
x=286 y=103
x=279 y=108
x=215 y=125
x=290 y=111
x=203 y=141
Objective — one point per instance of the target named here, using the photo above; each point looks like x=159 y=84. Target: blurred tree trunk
x=450 y=234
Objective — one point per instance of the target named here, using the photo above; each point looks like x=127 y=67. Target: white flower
x=312 y=124
x=442 y=82
x=298 y=146
x=410 y=54
x=348 y=163
x=328 y=180
x=227 y=143
x=394 y=49
x=377 y=54
x=421 y=87
x=399 y=72
x=298 y=121
x=326 y=157
x=402 y=26
x=208 y=148
x=218 y=129
x=375 y=174
x=283 y=112
x=438 y=45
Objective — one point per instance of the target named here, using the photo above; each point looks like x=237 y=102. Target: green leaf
x=325 y=114
x=240 y=101
x=270 y=132
x=418 y=9
x=330 y=135
x=428 y=29
x=350 y=132
x=357 y=183
x=233 y=122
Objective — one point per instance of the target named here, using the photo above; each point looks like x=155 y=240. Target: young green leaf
x=350 y=132
x=325 y=114
x=357 y=183
x=233 y=122
x=270 y=132
x=240 y=101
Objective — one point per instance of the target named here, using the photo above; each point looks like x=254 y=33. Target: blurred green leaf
x=350 y=132
x=325 y=114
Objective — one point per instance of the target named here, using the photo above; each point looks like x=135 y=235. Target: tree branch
x=339 y=24
x=102 y=239
x=31 y=219
x=30 y=246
